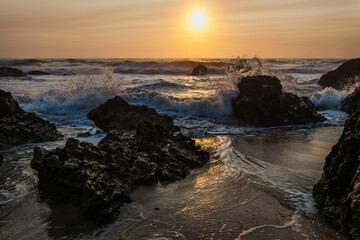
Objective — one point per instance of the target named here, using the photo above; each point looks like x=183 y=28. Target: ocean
x=257 y=185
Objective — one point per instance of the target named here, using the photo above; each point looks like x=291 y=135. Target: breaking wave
x=329 y=98
x=206 y=97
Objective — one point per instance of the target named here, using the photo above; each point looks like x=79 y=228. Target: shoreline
x=222 y=200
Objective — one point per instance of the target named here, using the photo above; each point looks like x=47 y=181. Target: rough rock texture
x=1 y=159
x=11 y=72
x=337 y=193
x=99 y=179
x=116 y=113
x=343 y=76
x=18 y=127
x=261 y=102
x=351 y=102
x=38 y=73
x=199 y=70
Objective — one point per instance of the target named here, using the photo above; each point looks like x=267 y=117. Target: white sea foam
x=329 y=98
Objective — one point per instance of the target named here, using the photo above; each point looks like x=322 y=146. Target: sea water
x=285 y=161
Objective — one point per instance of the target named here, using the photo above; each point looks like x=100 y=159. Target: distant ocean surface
x=200 y=106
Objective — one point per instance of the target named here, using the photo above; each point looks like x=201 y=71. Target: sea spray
x=328 y=98
x=75 y=98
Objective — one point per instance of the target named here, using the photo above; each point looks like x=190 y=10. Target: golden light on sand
x=197 y=19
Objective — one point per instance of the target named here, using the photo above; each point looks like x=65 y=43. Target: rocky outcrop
x=18 y=127
x=99 y=179
x=337 y=193
x=351 y=102
x=347 y=74
x=199 y=70
x=11 y=72
x=261 y=102
x=117 y=114
x=38 y=73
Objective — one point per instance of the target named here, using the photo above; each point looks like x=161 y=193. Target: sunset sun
x=197 y=19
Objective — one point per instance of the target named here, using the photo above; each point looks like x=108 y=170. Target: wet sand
x=219 y=202
x=223 y=200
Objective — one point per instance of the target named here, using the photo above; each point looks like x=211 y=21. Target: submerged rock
x=11 y=72
x=347 y=74
x=199 y=70
x=38 y=73
x=99 y=179
x=337 y=193
x=84 y=134
x=352 y=102
x=18 y=127
x=116 y=113
x=261 y=102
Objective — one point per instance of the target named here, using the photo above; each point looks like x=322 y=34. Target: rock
x=352 y=102
x=337 y=193
x=261 y=102
x=347 y=74
x=38 y=73
x=11 y=72
x=199 y=70
x=1 y=159
x=84 y=134
x=18 y=127
x=99 y=179
x=116 y=113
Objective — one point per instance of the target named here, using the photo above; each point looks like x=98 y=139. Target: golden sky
x=161 y=29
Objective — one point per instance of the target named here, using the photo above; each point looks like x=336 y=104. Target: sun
x=197 y=19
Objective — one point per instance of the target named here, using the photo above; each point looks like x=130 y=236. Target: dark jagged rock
x=18 y=127
x=347 y=74
x=199 y=70
x=99 y=179
x=1 y=159
x=337 y=193
x=84 y=134
x=352 y=102
x=11 y=72
x=116 y=113
x=261 y=102
x=38 y=73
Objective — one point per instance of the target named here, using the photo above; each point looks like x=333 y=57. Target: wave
x=167 y=64
x=205 y=98
x=72 y=102
x=305 y=70
x=161 y=84
x=164 y=71
x=213 y=107
x=329 y=98
x=167 y=67
x=21 y=62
